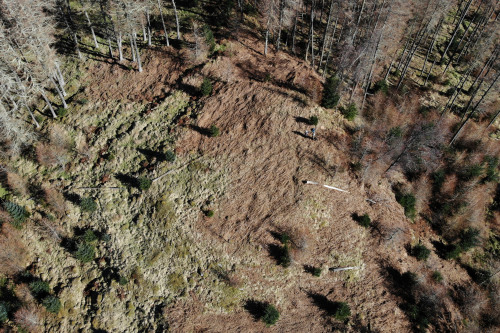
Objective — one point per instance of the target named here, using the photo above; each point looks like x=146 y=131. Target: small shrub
x=170 y=156
x=285 y=238
x=330 y=95
x=313 y=121
x=471 y=172
x=365 y=221
x=408 y=202
x=394 y=133
x=144 y=183
x=271 y=315
x=469 y=238
x=285 y=258
x=89 y=236
x=61 y=112
x=209 y=38
x=420 y=252
x=4 y=311
x=122 y=280
x=88 y=205
x=316 y=271
x=268 y=77
x=437 y=276
x=83 y=101
x=52 y=304
x=213 y=131
x=453 y=252
x=438 y=178
x=18 y=213
x=409 y=280
x=209 y=213
x=206 y=87
x=85 y=252
x=342 y=311
x=350 y=112
x=39 y=288
x=491 y=169
x=382 y=86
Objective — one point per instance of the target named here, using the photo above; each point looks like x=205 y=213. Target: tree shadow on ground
x=302 y=120
x=255 y=308
x=276 y=252
x=202 y=130
x=127 y=180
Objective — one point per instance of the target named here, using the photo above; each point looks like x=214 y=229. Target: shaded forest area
x=417 y=82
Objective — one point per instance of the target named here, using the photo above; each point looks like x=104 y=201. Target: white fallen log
x=327 y=186
x=339 y=269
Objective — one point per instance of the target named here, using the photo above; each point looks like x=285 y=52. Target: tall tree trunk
x=149 y=28
x=280 y=23
x=61 y=96
x=457 y=27
x=48 y=104
x=91 y=29
x=163 y=22
x=458 y=90
x=119 y=41
x=457 y=133
x=110 y=48
x=139 y=63
x=431 y=47
x=144 y=34
x=411 y=54
x=177 y=21
x=294 y=32
x=430 y=71
x=357 y=23
x=132 y=47
x=32 y=116
x=76 y=46
x=325 y=34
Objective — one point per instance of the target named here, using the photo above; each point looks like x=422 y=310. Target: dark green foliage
x=52 y=304
x=438 y=178
x=408 y=202
x=122 y=280
x=106 y=237
x=83 y=101
x=437 y=276
x=85 y=252
x=409 y=280
x=450 y=91
x=89 y=236
x=285 y=259
x=39 y=288
x=471 y=172
x=365 y=221
x=268 y=77
x=4 y=311
x=144 y=183
x=61 y=112
x=285 y=238
x=170 y=156
x=491 y=169
x=313 y=121
x=316 y=271
x=420 y=252
x=209 y=213
x=209 y=38
x=330 y=94
x=271 y=315
x=342 y=311
x=18 y=213
x=350 y=112
x=381 y=86
x=453 y=252
x=213 y=131
x=88 y=205
x=206 y=87
x=394 y=134
x=469 y=238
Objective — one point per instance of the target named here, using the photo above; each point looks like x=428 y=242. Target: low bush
x=209 y=213
x=88 y=205
x=170 y=156
x=61 y=112
x=408 y=202
x=271 y=315
x=89 y=236
x=469 y=238
x=470 y=172
x=316 y=271
x=365 y=221
x=342 y=311
x=285 y=259
x=206 y=87
x=381 y=86
x=18 y=213
x=330 y=95
x=4 y=311
x=350 y=112
x=453 y=252
x=213 y=131
x=52 y=304
x=39 y=288
x=122 y=280
x=85 y=252
x=313 y=121
x=437 y=276
x=420 y=252
x=144 y=183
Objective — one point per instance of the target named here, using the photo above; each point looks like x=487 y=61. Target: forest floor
x=203 y=272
